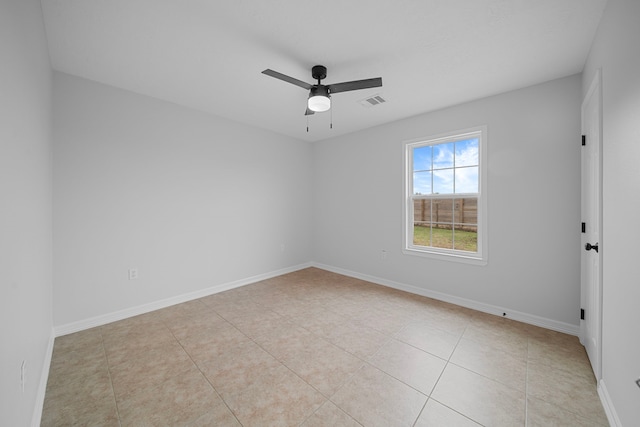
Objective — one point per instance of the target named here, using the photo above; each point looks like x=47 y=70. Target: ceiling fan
x=319 y=94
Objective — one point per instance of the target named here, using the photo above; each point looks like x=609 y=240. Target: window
x=445 y=196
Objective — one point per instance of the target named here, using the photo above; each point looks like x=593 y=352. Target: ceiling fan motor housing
x=319 y=90
x=319 y=72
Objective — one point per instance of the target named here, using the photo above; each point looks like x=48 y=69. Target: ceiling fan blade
x=355 y=85
x=309 y=112
x=287 y=79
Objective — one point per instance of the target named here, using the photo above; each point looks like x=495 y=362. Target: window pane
x=467 y=152
x=466 y=213
x=422 y=222
x=467 y=180
x=442 y=212
x=422 y=158
x=443 y=155
x=422 y=183
x=421 y=235
x=465 y=240
x=422 y=212
x=443 y=181
x=442 y=237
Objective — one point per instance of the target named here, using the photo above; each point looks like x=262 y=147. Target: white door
x=591 y=278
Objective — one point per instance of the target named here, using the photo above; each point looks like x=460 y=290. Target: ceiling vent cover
x=372 y=101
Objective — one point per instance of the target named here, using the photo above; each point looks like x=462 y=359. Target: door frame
x=595 y=89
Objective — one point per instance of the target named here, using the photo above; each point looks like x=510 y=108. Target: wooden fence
x=445 y=213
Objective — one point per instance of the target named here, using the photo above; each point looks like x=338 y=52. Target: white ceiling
x=209 y=54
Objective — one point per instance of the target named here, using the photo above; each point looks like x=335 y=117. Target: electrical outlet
x=23 y=374
x=133 y=274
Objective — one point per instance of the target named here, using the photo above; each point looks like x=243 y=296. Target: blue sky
x=434 y=172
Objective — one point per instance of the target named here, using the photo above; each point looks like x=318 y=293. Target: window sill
x=443 y=256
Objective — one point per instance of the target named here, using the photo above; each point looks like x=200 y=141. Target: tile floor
x=314 y=348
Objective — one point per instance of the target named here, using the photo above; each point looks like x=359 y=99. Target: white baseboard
x=474 y=305
x=157 y=305
x=531 y=319
x=607 y=404
x=42 y=385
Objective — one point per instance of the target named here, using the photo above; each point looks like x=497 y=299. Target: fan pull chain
x=331 y=121
x=307 y=123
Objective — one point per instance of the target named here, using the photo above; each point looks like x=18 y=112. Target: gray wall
x=615 y=51
x=533 y=203
x=25 y=208
x=189 y=199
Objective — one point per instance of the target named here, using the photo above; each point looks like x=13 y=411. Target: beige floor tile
x=445 y=317
x=374 y=398
x=149 y=369
x=223 y=298
x=233 y=311
x=219 y=416
x=536 y=332
x=78 y=340
x=65 y=386
x=498 y=333
x=178 y=400
x=185 y=325
x=144 y=322
x=491 y=362
x=348 y=308
x=321 y=322
x=329 y=415
x=435 y=414
x=288 y=306
x=237 y=368
x=357 y=339
x=69 y=366
x=386 y=322
x=323 y=365
x=483 y=400
x=410 y=365
x=559 y=350
x=264 y=323
x=272 y=353
x=571 y=390
x=120 y=349
x=208 y=343
x=543 y=414
x=56 y=414
x=287 y=340
x=411 y=304
x=278 y=398
x=188 y=308
x=428 y=338
x=86 y=400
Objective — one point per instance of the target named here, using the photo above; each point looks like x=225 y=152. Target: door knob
x=589 y=246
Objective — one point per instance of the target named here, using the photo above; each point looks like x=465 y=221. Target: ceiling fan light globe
x=319 y=103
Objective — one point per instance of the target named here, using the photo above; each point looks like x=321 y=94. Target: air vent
x=372 y=101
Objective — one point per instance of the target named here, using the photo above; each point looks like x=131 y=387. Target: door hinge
x=584 y=139
x=582 y=314
x=584 y=227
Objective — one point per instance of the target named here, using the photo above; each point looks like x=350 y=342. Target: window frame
x=481 y=256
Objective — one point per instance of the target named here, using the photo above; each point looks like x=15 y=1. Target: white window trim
x=479 y=258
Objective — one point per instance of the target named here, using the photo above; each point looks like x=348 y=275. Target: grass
x=443 y=238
